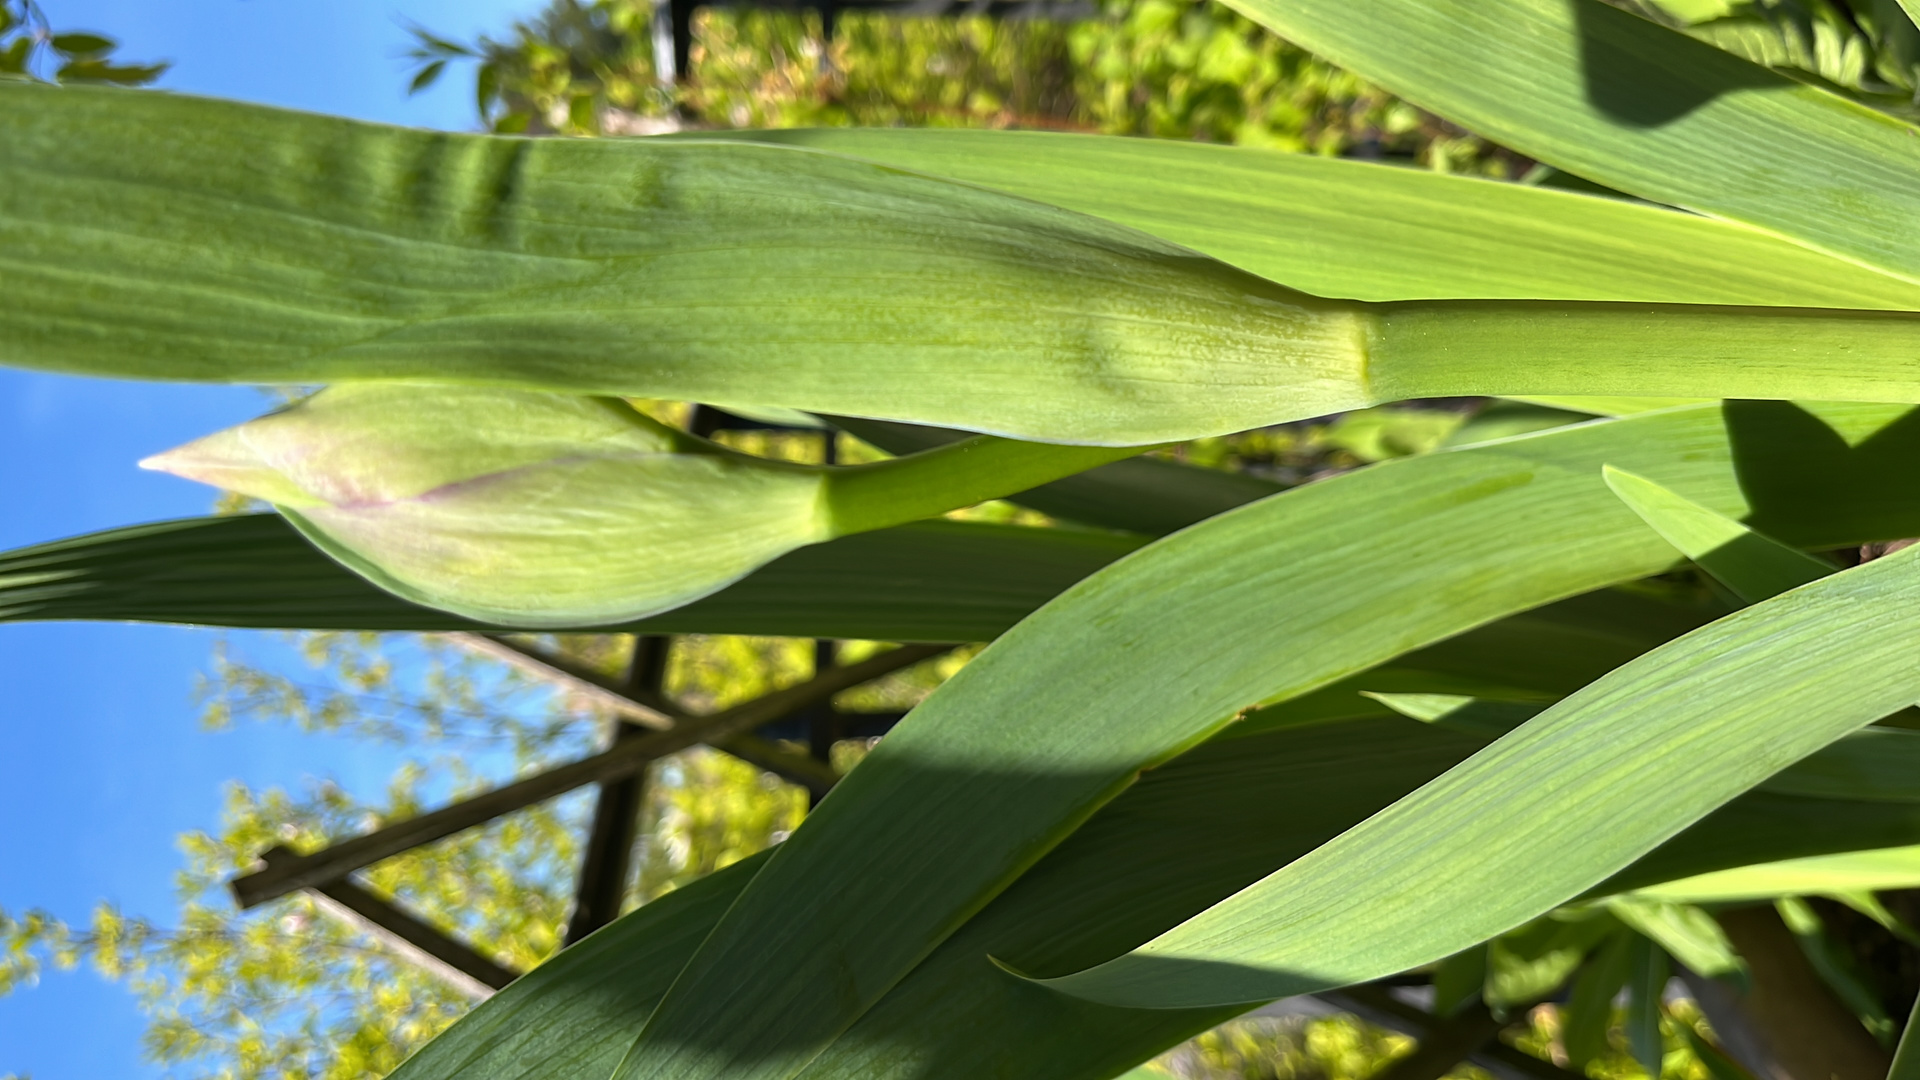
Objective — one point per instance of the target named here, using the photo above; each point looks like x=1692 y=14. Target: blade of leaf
x=1457 y=980
x=574 y=1014
x=360 y=252
x=1604 y=765
x=1337 y=227
x=1628 y=103
x=1589 y=1012
x=1835 y=966
x=1906 y=1057
x=1259 y=604
x=1531 y=962
x=1191 y=832
x=1645 y=987
x=1816 y=875
x=931 y=581
x=1686 y=932
x=1753 y=565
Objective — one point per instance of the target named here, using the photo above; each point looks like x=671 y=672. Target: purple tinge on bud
x=512 y=507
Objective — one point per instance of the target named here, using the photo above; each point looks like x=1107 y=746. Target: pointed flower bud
x=512 y=507
x=537 y=510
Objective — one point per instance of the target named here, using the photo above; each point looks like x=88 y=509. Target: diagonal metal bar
x=575 y=679
x=644 y=706
x=815 y=776
x=425 y=947
x=335 y=862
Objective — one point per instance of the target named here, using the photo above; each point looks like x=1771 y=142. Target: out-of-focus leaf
x=1866 y=903
x=1457 y=980
x=1532 y=962
x=93 y=69
x=81 y=44
x=1489 y=719
x=1687 y=933
x=1878 y=764
x=1607 y=406
x=1718 y=1065
x=1589 y=1012
x=486 y=83
x=1505 y=419
x=1626 y=102
x=1646 y=985
x=426 y=76
x=1835 y=967
x=13 y=59
x=1906 y=1058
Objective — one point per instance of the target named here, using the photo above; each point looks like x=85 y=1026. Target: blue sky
x=104 y=762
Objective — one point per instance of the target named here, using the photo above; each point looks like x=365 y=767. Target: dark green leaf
x=933 y=581
x=1646 y=987
x=1618 y=99
x=81 y=44
x=426 y=77
x=1588 y=1017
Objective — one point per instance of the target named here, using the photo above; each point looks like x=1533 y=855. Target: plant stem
x=1463 y=347
x=932 y=482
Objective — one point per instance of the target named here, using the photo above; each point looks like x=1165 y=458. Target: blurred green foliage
x=31 y=49
x=285 y=990
x=1166 y=68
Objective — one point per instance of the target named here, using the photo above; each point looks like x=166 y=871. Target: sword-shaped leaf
x=1338 y=227
x=1814 y=875
x=931 y=581
x=1622 y=765
x=160 y=236
x=1191 y=832
x=1620 y=100
x=1267 y=602
x=1752 y=564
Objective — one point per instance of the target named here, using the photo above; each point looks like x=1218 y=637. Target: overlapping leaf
x=169 y=237
x=1553 y=808
x=1633 y=105
x=1346 y=228
x=932 y=581
x=1190 y=833
x=1266 y=602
